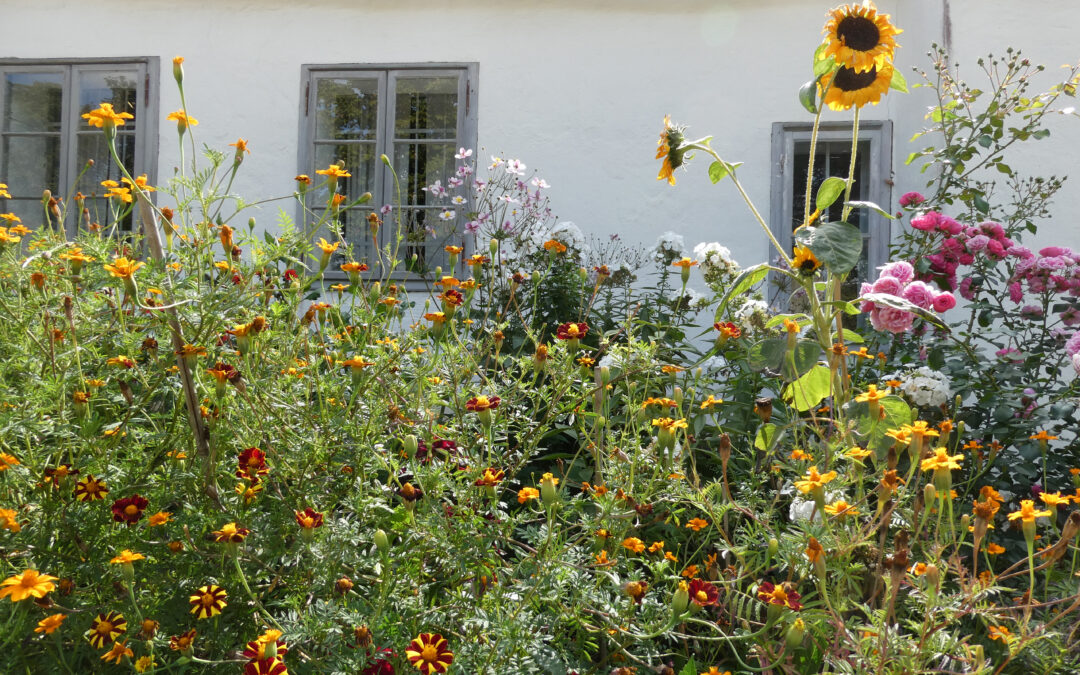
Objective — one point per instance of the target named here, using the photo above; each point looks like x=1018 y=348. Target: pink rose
x=890 y=285
x=927 y=222
x=900 y=269
x=919 y=293
x=948 y=224
x=891 y=320
x=944 y=302
x=911 y=199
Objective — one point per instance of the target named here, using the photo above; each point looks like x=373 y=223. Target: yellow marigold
x=941 y=461
x=526 y=494
x=30 y=583
x=841 y=509
x=50 y=623
x=334 y=171
x=104 y=117
x=697 y=524
x=122 y=268
x=814 y=480
x=1027 y=512
x=127 y=557
x=633 y=544
x=182 y=119
x=554 y=246
x=871 y=394
x=684 y=263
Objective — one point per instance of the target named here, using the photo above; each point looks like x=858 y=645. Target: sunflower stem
x=851 y=166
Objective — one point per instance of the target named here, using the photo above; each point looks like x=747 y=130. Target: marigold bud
x=382 y=542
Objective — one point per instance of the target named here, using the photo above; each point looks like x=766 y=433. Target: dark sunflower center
x=848 y=79
x=858 y=33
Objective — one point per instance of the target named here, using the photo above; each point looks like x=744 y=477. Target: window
x=873 y=182
x=45 y=143
x=418 y=116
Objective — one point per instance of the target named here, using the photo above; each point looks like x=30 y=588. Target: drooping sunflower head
x=669 y=148
x=859 y=37
x=804 y=261
x=847 y=87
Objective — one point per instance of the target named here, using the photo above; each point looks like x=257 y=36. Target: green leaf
x=872 y=206
x=849 y=336
x=1040 y=134
x=986 y=140
x=837 y=245
x=805 y=357
x=766 y=436
x=1004 y=168
x=829 y=191
x=749 y=277
x=898 y=82
x=809 y=390
x=896 y=302
x=824 y=66
x=981 y=205
x=767 y=354
x=690 y=668
x=808 y=96
x=843 y=305
x=718 y=170
x=872 y=431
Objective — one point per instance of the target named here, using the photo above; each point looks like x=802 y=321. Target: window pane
x=426 y=107
x=426 y=233
x=93 y=146
x=33 y=101
x=31 y=164
x=117 y=88
x=359 y=160
x=421 y=164
x=355 y=231
x=29 y=210
x=346 y=108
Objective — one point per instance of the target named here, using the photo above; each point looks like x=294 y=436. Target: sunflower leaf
x=829 y=191
x=810 y=389
x=718 y=170
x=808 y=96
x=838 y=245
x=898 y=82
x=744 y=282
x=872 y=206
x=824 y=66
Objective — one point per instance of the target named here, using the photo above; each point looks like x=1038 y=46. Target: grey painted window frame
x=877 y=133
x=147 y=80
x=387 y=74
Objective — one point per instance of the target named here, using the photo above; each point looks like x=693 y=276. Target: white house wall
x=577 y=89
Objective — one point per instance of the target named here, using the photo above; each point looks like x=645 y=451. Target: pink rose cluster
x=1072 y=348
x=1055 y=269
x=898 y=279
x=959 y=246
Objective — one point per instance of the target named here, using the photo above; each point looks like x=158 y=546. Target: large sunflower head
x=804 y=261
x=669 y=148
x=846 y=87
x=859 y=37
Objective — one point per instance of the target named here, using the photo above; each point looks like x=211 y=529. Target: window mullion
x=69 y=136
x=388 y=110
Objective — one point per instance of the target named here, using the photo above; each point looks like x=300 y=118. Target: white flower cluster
x=752 y=315
x=716 y=261
x=564 y=232
x=925 y=386
x=668 y=247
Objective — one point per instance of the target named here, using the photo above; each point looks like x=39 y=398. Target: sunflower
x=860 y=38
x=106 y=627
x=805 y=261
x=669 y=149
x=208 y=601
x=429 y=653
x=848 y=87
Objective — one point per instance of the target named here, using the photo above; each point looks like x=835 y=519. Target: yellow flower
x=106 y=118
x=122 y=268
x=841 y=509
x=805 y=261
x=30 y=583
x=50 y=623
x=1027 y=512
x=814 y=480
x=994 y=549
x=327 y=247
x=858 y=453
x=3 y=191
x=7 y=461
x=669 y=424
x=1043 y=436
x=526 y=494
x=669 y=148
x=117 y=653
x=710 y=402
x=846 y=87
x=182 y=120
x=684 y=263
x=334 y=171
x=553 y=246
x=139 y=182
x=144 y=663
x=1053 y=499
x=697 y=524
x=941 y=461
x=920 y=429
x=633 y=544
x=871 y=394
x=127 y=557
x=159 y=518
x=860 y=38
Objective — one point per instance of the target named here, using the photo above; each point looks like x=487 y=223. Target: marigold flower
x=104 y=117
x=690 y=571
x=778 y=595
x=241 y=147
x=182 y=642
x=144 y=663
x=941 y=461
x=333 y=171
x=129 y=509
x=1000 y=633
x=702 y=593
x=572 y=331
x=7 y=461
x=554 y=246
x=251 y=463
x=711 y=402
x=309 y=518
x=208 y=601
x=482 y=403
x=526 y=494
x=685 y=263
x=669 y=424
x=117 y=653
x=127 y=557
x=871 y=395
x=122 y=268
x=182 y=119
x=633 y=544
x=814 y=480
x=59 y=474
x=90 y=489
x=697 y=524
x=490 y=478
x=994 y=549
x=636 y=590
x=728 y=330
x=429 y=653
x=9 y=520
x=30 y=583
x=106 y=628
x=50 y=623
x=1028 y=513
x=1043 y=436
x=814 y=550
x=841 y=509
x=230 y=533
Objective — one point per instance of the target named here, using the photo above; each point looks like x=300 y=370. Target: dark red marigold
x=727 y=330
x=702 y=593
x=381 y=665
x=291 y=275
x=429 y=653
x=482 y=403
x=129 y=509
x=252 y=464
x=572 y=331
x=254 y=650
x=309 y=518
x=273 y=666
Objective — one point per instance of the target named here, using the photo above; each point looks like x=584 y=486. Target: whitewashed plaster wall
x=576 y=89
